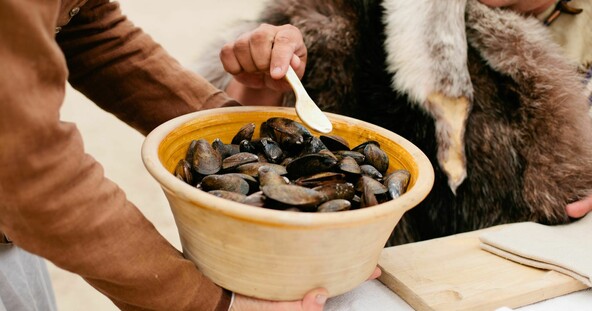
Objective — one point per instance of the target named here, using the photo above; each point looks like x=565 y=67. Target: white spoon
x=306 y=108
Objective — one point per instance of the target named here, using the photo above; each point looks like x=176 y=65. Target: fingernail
x=276 y=71
x=321 y=299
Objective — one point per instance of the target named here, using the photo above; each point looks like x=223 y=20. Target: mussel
x=287 y=168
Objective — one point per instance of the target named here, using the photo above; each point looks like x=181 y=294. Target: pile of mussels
x=288 y=168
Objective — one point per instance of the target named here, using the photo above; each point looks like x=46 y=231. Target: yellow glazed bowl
x=273 y=254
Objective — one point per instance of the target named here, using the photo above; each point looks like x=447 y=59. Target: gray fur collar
x=426 y=47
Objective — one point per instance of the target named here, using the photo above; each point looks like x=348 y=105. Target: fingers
x=229 y=59
x=315 y=300
x=243 y=53
x=261 y=42
x=377 y=272
x=236 y=56
x=580 y=208
x=287 y=44
x=269 y=49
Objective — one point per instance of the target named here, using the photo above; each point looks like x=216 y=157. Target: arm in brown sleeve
x=56 y=201
x=125 y=72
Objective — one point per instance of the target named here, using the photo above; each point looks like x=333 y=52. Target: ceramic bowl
x=274 y=254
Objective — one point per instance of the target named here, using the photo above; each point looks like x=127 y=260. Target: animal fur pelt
x=484 y=87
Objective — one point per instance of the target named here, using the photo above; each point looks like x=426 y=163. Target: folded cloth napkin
x=563 y=248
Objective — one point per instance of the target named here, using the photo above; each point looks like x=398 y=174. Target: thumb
x=580 y=208
x=315 y=300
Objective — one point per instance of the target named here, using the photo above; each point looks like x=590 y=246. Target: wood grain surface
x=453 y=273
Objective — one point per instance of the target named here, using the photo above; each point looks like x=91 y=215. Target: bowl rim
x=170 y=183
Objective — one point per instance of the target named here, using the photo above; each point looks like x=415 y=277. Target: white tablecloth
x=374 y=296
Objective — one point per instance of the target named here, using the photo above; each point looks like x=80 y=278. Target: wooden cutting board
x=453 y=273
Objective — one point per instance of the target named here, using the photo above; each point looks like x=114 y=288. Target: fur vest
x=483 y=92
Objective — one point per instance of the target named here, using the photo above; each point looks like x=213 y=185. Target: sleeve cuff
x=218 y=100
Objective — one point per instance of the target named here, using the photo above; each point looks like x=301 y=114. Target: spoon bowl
x=306 y=108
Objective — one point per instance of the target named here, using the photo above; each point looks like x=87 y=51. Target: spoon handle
x=295 y=82
x=305 y=107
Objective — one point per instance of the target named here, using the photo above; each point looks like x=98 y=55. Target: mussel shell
x=252 y=169
x=236 y=160
x=365 y=182
x=396 y=182
x=322 y=169
x=359 y=157
x=333 y=191
x=266 y=131
x=288 y=126
x=355 y=201
x=233 y=196
x=255 y=199
x=244 y=133
x=368 y=198
x=320 y=179
x=183 y=171
x=247 y=146
x=225 y=182
x=292 y=195
x=337 y=205
x=359 y=148
x=262 y=157
x=225 y=150
x=271 y=149
x=312 y=145
x=310 y=164
x=288 y=133
x=376 y=157
x=252 y=181
x=370 y=171
x=334 y=142
x=269 y=177
x=206 y=160
x=349 y=166
x=328 y=153
x=191 y=151
x=286 y=161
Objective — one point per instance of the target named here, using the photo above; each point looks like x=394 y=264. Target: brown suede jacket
x=55 y=199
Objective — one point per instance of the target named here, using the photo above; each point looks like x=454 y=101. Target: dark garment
x=56 y=201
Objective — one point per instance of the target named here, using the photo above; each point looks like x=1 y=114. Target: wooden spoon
x=306 y=108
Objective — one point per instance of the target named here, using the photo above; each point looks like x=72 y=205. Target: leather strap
x=561 y=7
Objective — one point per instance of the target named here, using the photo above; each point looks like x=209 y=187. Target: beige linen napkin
x=564 y=248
